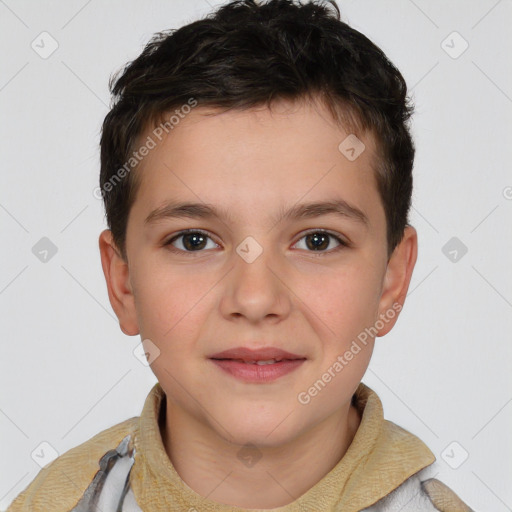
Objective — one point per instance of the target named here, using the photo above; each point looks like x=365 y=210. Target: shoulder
x=61 y=483
x=443 y=497
x=417 y=494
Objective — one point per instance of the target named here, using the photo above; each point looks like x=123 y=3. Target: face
x=252 y=276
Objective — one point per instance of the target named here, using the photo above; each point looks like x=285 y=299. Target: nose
x=256 y=289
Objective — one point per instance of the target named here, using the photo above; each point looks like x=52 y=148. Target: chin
x=264 y=429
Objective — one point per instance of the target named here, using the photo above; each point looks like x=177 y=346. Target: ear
x=397 y=279
x=119 y=287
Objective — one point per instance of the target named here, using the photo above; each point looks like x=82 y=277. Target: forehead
x=257 y=160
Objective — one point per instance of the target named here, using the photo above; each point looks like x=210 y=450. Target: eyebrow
x=177 y=210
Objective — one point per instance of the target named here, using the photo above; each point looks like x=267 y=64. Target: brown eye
x=190 y=241
x=320 y=241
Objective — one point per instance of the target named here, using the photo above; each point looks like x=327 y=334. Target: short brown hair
x=249 y=53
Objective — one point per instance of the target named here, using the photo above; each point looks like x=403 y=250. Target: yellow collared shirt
x=125 y=468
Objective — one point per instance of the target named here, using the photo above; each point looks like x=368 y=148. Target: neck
x=268 y=477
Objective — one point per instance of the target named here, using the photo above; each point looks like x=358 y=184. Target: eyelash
x=342 y=243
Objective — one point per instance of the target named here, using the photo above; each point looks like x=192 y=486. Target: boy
x=256 y=169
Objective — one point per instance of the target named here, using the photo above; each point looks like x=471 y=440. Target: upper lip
x=261 y=354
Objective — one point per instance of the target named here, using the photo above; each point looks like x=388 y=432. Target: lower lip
x=258 y=372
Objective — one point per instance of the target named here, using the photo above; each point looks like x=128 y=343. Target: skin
x=255 y=164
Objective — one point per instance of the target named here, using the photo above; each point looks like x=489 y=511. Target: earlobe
x=117 y=277
x=397 y=279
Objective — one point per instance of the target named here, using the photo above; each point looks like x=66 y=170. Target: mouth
x=264 y=355
x=258 y=362
x=257 y=366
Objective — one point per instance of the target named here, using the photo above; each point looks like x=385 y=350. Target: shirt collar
x=381 y=456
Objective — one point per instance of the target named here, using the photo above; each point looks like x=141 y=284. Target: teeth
x=269 y=361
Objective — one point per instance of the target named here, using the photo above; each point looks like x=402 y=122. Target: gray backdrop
x=443 y=372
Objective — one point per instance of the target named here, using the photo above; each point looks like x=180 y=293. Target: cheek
x=344 y=301
x=167 y=301
x=168 y=311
